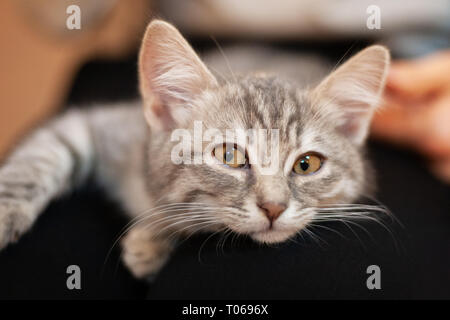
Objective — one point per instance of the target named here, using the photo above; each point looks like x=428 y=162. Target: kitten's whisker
x=181 y=221
x=235 y=237
x=166 y=214
x=209 y=237
x=358 y=207
x=342 y=216
x=191 y=234
x=203 y=223
x=179 y=217
x=342 y=58
x=145 y=214
x=166 y=208
x=218 y=242
x=184 y=218
x=347 y=221
x=149 y=216
x=241 y=215
x=141 y=217
x=313 y=236
x=388 y=212
x=226 y=234
x=374 y=208
x=193 y=225
x=220 y=230
x=356 y=215
x=174 y=209
x=327 y=228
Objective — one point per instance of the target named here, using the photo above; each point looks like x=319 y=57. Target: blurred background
x=48 y=64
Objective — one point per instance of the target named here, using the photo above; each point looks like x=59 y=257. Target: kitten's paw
x=143 y=256
x=15 y=219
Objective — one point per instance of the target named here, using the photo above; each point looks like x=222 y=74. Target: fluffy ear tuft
x=171 y=75
x=355 y=89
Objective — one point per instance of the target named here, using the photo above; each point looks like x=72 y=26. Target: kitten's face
x=319 y=142
x=334 y=171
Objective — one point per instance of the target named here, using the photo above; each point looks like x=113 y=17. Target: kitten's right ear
x=171 y=76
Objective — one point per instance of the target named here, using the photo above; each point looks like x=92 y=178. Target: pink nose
x=272 y=210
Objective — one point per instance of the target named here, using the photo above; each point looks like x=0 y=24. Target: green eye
x=308 y=163
x=230 y=156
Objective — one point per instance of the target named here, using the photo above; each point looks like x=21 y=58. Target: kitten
x=321 y=160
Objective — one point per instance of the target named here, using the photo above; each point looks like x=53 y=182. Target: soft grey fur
x=167 y=201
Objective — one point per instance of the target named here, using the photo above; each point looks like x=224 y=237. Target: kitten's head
x=319 y=144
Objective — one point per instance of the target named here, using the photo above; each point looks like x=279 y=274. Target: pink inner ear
x=163 y=114
x=355 y=124
x=355 y=114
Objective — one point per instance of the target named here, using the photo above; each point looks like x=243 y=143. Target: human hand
x=416 y=110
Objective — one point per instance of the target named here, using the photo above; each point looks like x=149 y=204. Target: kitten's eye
x=230 y=156
x=308 y=163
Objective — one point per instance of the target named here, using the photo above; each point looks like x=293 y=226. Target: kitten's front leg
x=28 y=180
x=49 y=162
x=143 y=254
x=16 y=217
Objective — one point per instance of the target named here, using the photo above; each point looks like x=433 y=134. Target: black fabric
x=82 y=227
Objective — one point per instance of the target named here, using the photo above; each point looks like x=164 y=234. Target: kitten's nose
x=272 y=210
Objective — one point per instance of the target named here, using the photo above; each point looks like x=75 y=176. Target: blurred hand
x=416 y=111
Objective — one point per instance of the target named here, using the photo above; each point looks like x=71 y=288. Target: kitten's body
x=166 y=200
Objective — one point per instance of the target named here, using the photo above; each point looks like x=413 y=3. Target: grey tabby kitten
x=322 y=167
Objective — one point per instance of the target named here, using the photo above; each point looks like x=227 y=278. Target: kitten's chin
x=271 y=236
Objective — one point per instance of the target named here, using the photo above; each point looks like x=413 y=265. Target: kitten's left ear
x=171 y=75
x=355 y=89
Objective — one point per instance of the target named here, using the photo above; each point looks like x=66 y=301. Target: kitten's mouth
x=271 y=235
